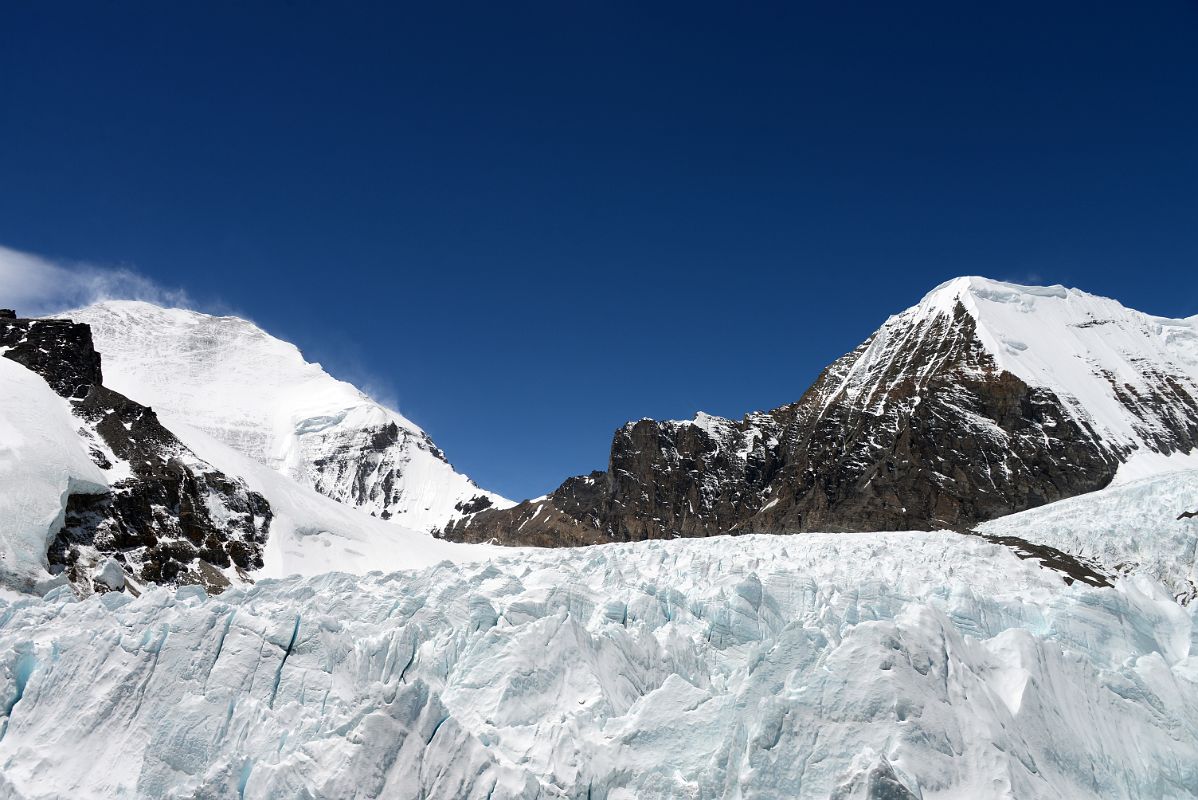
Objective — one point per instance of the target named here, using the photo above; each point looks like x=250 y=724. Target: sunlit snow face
x=256 y=394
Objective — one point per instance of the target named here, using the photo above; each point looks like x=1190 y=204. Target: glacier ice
x=926 y=665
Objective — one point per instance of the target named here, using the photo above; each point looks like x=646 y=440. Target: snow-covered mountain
x=1050 y=653
x=257 y=394
x=848 y=666
x=983 y=399
x=99 y=491
x=1129 y=377
x=96 y=492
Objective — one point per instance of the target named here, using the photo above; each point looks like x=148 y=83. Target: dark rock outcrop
x=918 y=428
x=1071 y=568
x=59 y=350
x=170 y=517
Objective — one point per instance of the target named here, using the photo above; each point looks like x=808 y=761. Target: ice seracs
x=897 y=665
x=257 y=394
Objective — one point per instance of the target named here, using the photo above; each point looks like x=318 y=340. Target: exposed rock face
x=568 y=517
x=170 y=517
x=59 y=350
x=920 y=427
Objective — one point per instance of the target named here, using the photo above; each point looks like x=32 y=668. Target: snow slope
x=1123 y=373
x=43 y=459
x=312 y=534
x=1132 y=526
x=257 y=394
x=921 y=665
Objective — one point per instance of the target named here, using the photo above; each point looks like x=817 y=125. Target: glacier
x=898 y=665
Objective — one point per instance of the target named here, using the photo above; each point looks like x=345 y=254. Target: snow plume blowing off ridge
x=37 y=286
x=40 y=286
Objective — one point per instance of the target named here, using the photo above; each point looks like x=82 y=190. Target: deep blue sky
x=530 y=222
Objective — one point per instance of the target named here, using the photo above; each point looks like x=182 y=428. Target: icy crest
x=257 y=394
x=1092 y=351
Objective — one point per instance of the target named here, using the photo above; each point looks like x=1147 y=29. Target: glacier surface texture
x=903 y=665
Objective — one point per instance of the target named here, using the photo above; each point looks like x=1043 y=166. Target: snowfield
x=1127 y=527
x=925 y=665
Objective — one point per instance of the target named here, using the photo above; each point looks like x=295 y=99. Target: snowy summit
x=255 y=393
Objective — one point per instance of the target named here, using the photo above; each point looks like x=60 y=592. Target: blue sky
x=526 y=223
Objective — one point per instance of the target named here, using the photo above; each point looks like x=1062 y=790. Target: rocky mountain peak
x=983 y=399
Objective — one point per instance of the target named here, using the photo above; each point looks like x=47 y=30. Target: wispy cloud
x=36 y=286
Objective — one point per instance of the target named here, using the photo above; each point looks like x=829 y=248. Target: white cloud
x=35 y=286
